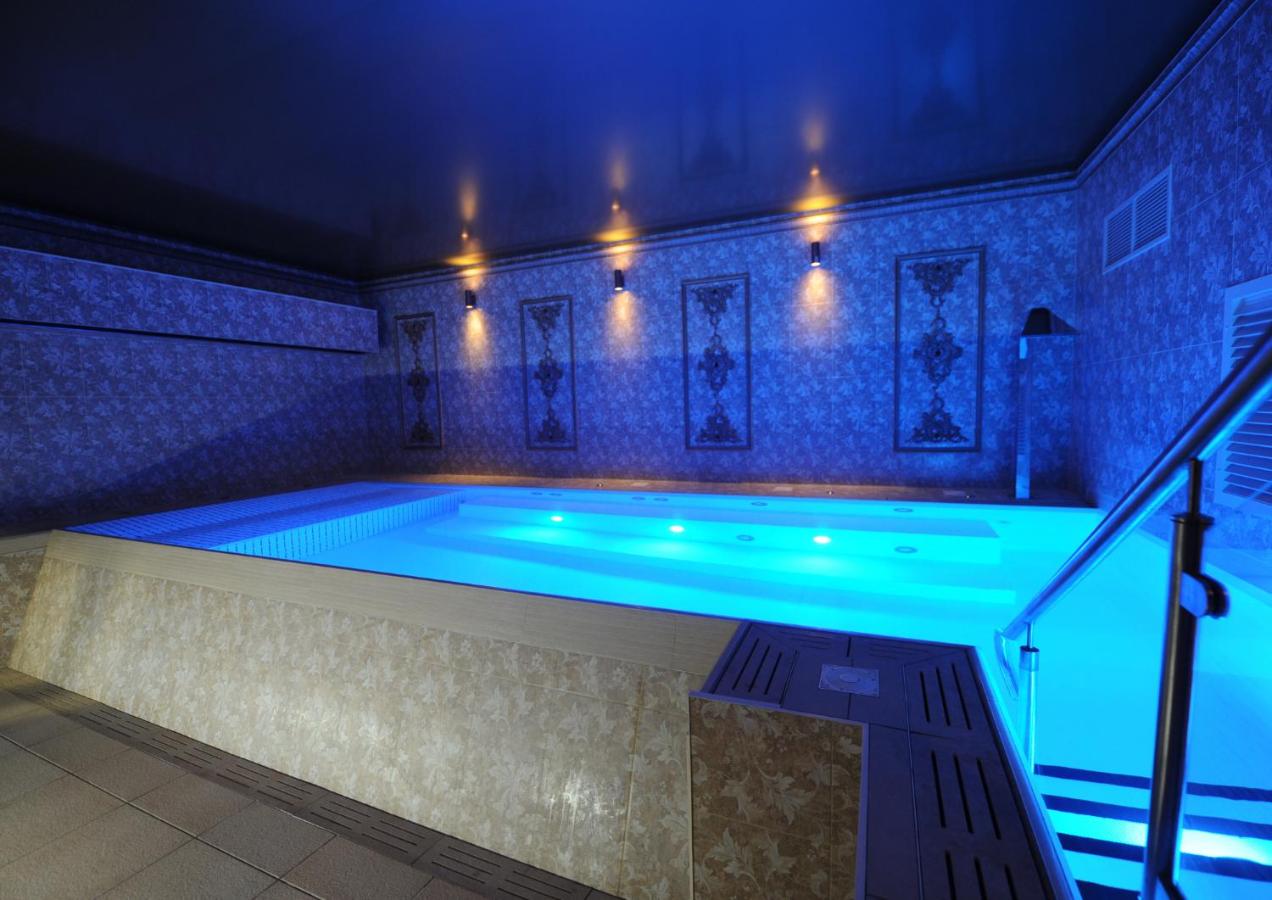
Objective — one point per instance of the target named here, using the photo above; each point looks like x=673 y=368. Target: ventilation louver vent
x=1138 y=224
x=1245 y=477
x=1117 y=236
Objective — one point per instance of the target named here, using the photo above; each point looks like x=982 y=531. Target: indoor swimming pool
x=939 y=571
x=947 y=572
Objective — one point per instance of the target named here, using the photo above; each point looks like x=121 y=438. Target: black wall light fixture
x=470 y=299
x=814 y=255
x=620 y=283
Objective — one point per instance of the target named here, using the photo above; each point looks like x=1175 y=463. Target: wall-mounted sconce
x=620 y=283
x=463 y=235
x=814 y=255
x=470 y=299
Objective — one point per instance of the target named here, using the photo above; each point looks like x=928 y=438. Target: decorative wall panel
x=716 y=316
x=418 y=382
x=821 y=362
x=547 y=373
x=940 y=306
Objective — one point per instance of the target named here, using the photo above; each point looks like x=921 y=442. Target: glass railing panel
x=1226 y=841
x=1100 y=656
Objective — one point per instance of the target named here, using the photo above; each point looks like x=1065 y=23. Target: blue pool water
x=925 y=570
x=928 y=571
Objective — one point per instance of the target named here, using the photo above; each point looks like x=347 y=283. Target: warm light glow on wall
x=815 y=202
x=622 y=327
x=617 y=234
x=476 y=340
x=811 y=323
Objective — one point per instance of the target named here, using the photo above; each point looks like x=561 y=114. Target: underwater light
x=814 y=255
x=556 y=518
x=821 y=539
x=677 y=529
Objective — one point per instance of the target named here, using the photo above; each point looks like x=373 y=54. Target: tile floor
x=85 y=815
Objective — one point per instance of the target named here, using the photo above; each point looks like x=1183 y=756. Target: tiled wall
x=96 y=423
x=1149 y=348
x=18 y=572
x=777 y=802
x=570 y=761
x=821 y=355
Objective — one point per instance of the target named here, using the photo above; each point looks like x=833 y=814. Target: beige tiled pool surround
x=20 y=559
x=777 y=802
x=554 y=731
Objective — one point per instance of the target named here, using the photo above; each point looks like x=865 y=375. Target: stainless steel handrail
x=1247 y=386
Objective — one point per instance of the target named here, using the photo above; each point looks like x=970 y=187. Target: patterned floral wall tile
x=1147 y=351
x=18 y=572
x=657 y=859
x=500 y=743
x=776 y=802
x=820 y=359
x=102 y=423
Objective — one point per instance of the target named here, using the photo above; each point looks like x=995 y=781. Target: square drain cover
x=850 y=680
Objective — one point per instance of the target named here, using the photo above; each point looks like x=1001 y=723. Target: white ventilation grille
x=1245 y=463
x=1138 y=224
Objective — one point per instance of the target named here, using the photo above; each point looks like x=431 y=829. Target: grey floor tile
x=437 y=889
x=77 y=748
x=343 y=870
x=7 y=746
x=22 y=771
x=47 y=813
x=193 y=871
x=281 y=890
x=130 y=774
x=192 y=803
x=91 y=859
x=267 y=838
x=28 y=723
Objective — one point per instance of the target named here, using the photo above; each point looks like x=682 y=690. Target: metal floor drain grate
x=849 y=680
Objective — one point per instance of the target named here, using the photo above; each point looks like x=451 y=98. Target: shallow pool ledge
x=542 y=728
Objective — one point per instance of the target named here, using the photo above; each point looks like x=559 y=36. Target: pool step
x=812 y=575
x=1100 y=818
x=948 y=540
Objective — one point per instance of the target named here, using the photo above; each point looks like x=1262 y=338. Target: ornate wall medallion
x=716 y=315
x=418 y=388
x=547 y=373
x=939 y=336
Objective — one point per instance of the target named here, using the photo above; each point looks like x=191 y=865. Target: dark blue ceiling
x=361 y=138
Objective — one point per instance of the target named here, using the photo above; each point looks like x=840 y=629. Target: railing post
x=1029 y=699
x=1191 y=596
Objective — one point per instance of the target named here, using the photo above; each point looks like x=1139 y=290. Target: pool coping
x=1054 y=499
x=683 y=641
